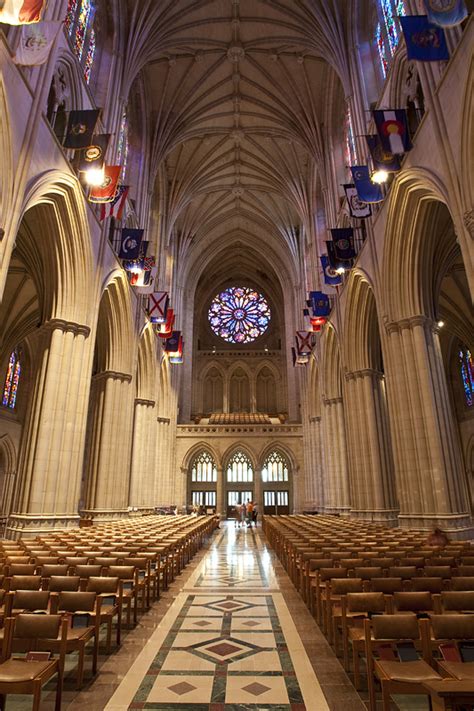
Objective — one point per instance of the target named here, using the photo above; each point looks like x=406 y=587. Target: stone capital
x=332 y=401
x=315 y=420
x=364 y=373
x=164 y=420
x=113 y=375
x=145 y=402
x=412 y=322
x=59 y=324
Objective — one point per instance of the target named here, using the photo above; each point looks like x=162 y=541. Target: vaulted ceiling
x=241 y=95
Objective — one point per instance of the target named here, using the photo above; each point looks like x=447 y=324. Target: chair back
x=412 y=601
x=76 y=602
x=31 y=600
x=24 y=582
x=391 y=627
x=453 y=626
x=431 y=585
x=365 y=602
x=457 y=601
x=386 y=585
x=60 y=583
x=462 y=583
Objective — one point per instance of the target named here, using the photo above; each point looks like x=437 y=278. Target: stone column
x=162 y=494
x=221 y=503
x=108 y=471
x=336 y=479
x=51 y=459
x=370 y=456
x=142 y=466
x=314 y=475
x=431 y=483
x=258 y=489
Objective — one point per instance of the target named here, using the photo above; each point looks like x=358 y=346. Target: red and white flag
x=116 y=208
x=21 y=12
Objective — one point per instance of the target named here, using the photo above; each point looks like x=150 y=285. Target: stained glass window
x=350 y=147
x=123 y=143
x=70 y=20
x=239 y=314
x=240 y=468
x=467 y=374
x=89 y=57
x=79 y=20
x=275 y=467
x=10 y=389
x=204 y=468
x=387 y=31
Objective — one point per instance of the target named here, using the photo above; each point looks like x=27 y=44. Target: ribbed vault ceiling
x=240 y=91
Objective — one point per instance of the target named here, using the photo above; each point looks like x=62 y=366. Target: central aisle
x=228 y=642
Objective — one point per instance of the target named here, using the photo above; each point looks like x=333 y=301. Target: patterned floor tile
x=182 y=690
x=256 y=689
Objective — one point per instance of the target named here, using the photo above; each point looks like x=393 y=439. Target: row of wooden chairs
x=348 y=576
x=57 y=591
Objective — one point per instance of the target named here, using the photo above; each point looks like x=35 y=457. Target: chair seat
x=411 y=672
x=464 y=671
x=19 y=670
x=356 y=633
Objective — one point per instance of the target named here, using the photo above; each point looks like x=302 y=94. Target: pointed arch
x=361 y=328
x=115 y=338
x=146 y=366
x=331 y=368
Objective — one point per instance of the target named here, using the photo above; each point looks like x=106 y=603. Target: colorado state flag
x=392 y=127
x=425 y=42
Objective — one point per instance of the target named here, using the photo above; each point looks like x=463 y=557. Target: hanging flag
x=107 y=191
x=343 y=243
x=157 y=307
x=319 y=303
x=317 y=322
x=174 y=342
x=382 y=159
x=446 y=13
x=164 y=330
x=298 y=359
x=357 y=209
x=304 y=342
x=177 y=356
x=80 y=128
x=131 y=244
x=35 y=43
x=148 y=262
x=307 y=320
x=366 y=189
x=334 y=260
x=331 y=277
x=425 y=42
x=93 y=157
x=116 y=207
x=21 y=12
x=149 y=287
x=143 y=278
x=392 y=127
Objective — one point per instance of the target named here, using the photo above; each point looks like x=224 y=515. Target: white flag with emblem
x=35 y=43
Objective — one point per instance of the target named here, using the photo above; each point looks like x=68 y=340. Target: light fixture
x=440 y=324
x=266 y=349
x=379 y=176
x=340 y=270
x=95 y=177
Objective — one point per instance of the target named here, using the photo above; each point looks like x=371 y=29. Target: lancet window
x=12 y=379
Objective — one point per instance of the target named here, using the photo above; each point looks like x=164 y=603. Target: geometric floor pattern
x=228 y=643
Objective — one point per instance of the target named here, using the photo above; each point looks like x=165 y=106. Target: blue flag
x=319 y=302
x=343 y=244
x=131 y=244
x=382 y=159
x=366 y=189
x=425 y=42
x=174 y=342
x=331 y=277
x=446 y=13
x=392 y=127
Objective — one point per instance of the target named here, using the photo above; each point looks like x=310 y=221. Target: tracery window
x=350 y=146
x=387 y=31
x=275 y=467
x=10 y=388
x=466 y=367
x=240 y=468
x=204 y=468
x=123 y=143
x=239 y=314
x=79 y=26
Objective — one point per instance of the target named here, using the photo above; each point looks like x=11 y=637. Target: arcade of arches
x=234 y=129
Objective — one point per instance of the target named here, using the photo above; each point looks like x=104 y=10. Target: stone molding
x=315 y=420
x=412 y=322
x=113 y=375
x=59 y=324
x=364 y=373
x=221 y=430
x=164 y=420
x=144 y=401
x=332 y=401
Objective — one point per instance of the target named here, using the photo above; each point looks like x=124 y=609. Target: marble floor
x=230 y=634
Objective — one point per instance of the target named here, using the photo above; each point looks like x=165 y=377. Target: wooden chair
x=80 y=607
x=23 y=582
x=382 y=633
x=355 y=608
x=450 y=630
x=22 y=676
x=63 y=583
x=110 y=591
x=457 y=601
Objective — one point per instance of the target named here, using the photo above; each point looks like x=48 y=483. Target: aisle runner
x=225 y=651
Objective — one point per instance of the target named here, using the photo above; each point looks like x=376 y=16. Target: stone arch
x=54 y=240
x=314 y=388
x=467 y=149
x=241 y=382
x=146 y=365
x=278 y=447
x=331 y=367
x=65 y=93
x=115 y=340
x=267 y=385
x=8 y=469
x=195 y=450
x=361 y=328
x=6 y=174
x=234 y=449
x=417 y=200
x=213 y=382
